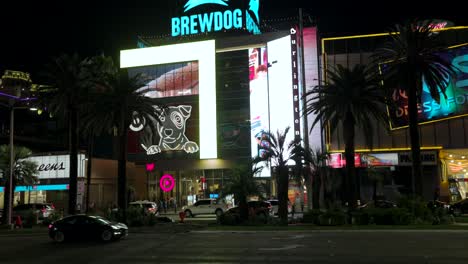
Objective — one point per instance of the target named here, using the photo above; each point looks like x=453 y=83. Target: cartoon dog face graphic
x=171 y=131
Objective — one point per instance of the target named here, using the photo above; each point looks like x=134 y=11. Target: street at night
x=246 y=247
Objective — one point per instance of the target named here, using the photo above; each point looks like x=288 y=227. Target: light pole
x=12 y=159
x=14 y=82
x=12 y=156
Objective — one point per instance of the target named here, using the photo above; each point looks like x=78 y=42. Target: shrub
x=151 y=220
x=441 y=217
x=30 y=218
x=417 y=207
x=360 y=217
x=332 y=218
x=312 y=216
x=392 y=216
x=135 y=217
x=228 y=219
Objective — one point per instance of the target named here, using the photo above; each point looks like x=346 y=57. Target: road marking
x=282 y=248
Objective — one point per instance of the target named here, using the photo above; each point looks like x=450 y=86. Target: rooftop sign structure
x=224 y=18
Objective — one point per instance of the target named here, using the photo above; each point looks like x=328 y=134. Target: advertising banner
x=427 y=158
x=57 y=166
x=338 y=160
x=380 y=159
x=455 y=104
x=259 y=115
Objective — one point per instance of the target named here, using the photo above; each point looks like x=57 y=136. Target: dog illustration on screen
x=171 y=131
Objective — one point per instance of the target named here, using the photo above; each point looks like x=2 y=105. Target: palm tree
x=353 y=97
x=95 y=69
x=242 y=184
x=280 y=153
x=62 y=97
x=25 y=171
x=114 y=108
x=410 y=57
x=313 y=165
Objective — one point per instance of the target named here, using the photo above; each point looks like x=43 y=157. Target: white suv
x=205 y=206
x=147 y=206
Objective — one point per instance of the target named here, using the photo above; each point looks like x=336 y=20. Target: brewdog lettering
x=227 y=19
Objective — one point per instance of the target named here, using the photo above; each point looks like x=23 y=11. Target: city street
x=246 y=247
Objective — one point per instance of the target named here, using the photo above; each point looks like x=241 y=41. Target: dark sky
x=34 y=32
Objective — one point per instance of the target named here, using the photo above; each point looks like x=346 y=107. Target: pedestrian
x=293 y=209
x=18 y=222
x=302 y=205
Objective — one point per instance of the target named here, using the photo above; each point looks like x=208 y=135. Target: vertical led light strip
x=203 y=52
x=295 y=84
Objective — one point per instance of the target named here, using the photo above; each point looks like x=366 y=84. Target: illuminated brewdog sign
x=225 y=19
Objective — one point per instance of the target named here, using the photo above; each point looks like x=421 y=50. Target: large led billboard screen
x=258 y=83
x=455 y=104
x=187 y=69
x=280 y=87
x=176 y=84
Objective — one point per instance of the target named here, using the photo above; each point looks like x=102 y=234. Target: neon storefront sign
x=226 y=19
x=167 y=182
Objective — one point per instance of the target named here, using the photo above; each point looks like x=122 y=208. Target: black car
x=459 y=208
x=86 y=227
x=378 y=204
x=260 y=209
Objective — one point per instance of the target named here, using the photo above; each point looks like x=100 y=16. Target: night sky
x=33 y=33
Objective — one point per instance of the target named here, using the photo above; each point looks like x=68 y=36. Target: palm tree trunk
x=283 y=193
x=89 y=167
x=73 y=144
x=350 y=177
x=414 y=134
x=244 y=210
x=122 y=177
x=315 y=191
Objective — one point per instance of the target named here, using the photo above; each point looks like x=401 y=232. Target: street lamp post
x=12 y=156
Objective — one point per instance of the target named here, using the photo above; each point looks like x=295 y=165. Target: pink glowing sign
x=167 y=182
x=149 y=166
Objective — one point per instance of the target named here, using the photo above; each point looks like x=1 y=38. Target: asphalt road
x=246 y=247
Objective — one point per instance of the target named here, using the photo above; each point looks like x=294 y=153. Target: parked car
x=43 y=210
x=274 y=209
x=86 y=227
x=147 y=206
x=259 y=208
x=264 y=207
x=205 y=206
x=438 y=204
x=459 y=208
x=378 y=204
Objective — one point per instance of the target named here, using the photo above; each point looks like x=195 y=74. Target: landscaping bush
x=360 y=217
x=312 y=216
x=228 y=219
x=151 y=220
x=441 y=217
x=332 y=218
x=30 y=219
x=417 y=207
x=135 y=216
x=392 y=216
